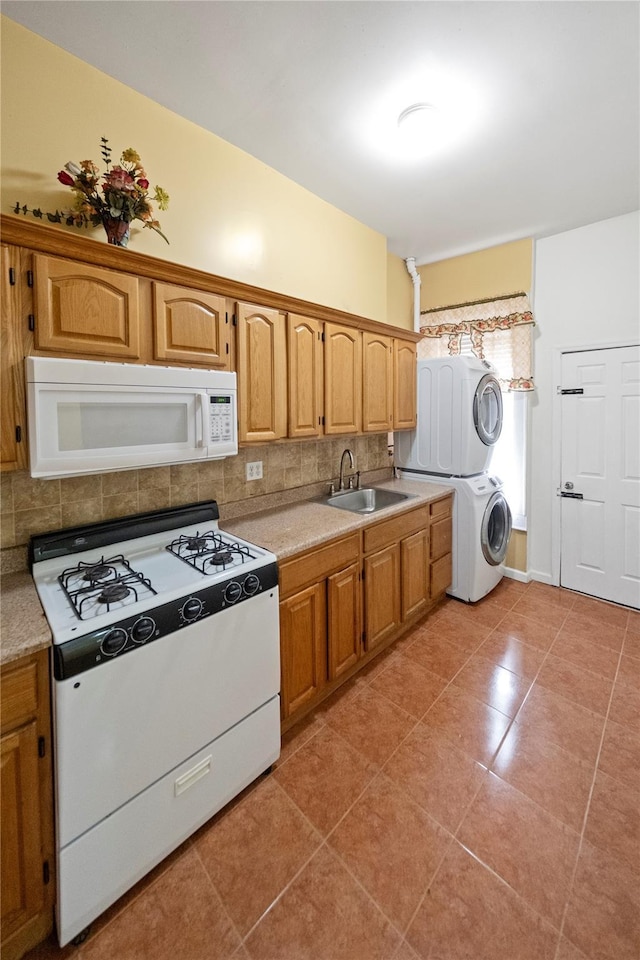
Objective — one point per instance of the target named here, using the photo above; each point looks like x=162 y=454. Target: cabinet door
x=414 y=558
x=404 y=385
x=344 y=630
x=13 y=419
x=305 y=359
x=22 y=889
x=303 y=647
x=86 y=310
x=377 y=383
x=262 y=389
x=190 y=326
x=342 y=379
x=382 y=595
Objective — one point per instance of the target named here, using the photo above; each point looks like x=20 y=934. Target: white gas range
x=165 y=692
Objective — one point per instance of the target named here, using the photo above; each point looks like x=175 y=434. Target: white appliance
x=166 y=704
x=91 y=417
x=459 y=408
x=481 y=531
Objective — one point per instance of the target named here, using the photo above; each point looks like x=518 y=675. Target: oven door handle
x=201 y=418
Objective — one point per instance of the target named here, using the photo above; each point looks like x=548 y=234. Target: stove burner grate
x=89 y=587
x=210 y=552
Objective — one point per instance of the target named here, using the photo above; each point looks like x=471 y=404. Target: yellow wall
x=399 y=293
x=229 y=214
x=486 y=273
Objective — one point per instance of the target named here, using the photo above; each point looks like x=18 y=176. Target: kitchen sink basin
x=368 y=500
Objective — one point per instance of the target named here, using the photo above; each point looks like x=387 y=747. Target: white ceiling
x=554 y=89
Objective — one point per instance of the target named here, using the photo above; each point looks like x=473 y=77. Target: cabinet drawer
x=440 y=576
x=440 y=538
x=19 y=694
x=441 y=508
x=394 y=529
x=312 y=567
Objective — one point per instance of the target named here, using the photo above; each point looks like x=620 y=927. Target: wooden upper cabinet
x=13 y=410
x=82 y=309
x=342 y=379
x=262 y=387
x=377 y=382
x=306 y=388
x=404 y=384
x=190 y=326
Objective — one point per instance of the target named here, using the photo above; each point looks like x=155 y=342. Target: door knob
x=568 y=485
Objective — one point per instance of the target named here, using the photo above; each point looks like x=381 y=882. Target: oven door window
x=87 y=425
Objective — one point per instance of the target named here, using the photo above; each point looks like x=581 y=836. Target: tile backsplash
x=35 y=506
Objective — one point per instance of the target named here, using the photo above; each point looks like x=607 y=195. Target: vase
x=117 y=231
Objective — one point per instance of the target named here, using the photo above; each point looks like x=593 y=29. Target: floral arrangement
x=112 y=199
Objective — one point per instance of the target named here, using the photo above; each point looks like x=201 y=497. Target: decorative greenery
x=121 y=193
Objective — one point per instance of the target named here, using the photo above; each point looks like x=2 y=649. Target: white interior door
x=600 y=482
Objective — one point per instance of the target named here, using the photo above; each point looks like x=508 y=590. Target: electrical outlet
x=254 y=470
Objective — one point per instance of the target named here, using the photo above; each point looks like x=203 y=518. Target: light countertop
x=23 y=625
x=296 y=527
x=284 y=530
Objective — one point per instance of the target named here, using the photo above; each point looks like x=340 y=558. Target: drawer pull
x=192 y=776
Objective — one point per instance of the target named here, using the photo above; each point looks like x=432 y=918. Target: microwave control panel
x=221 y=415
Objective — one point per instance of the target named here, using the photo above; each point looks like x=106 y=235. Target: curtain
x=499 y=331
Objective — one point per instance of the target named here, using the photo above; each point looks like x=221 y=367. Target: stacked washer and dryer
x=459 y=421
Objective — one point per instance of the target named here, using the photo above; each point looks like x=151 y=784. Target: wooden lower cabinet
x=303 y=630
x=344 y=646
x=382 y=595
x=26 y=817
x=344 y=602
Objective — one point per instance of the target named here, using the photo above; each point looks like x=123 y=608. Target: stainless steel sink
x=367 y=500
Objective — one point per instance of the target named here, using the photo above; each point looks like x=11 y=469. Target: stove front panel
x=123 y=726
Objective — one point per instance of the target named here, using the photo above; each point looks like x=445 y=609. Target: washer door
x=487 y=410
x=496 y=530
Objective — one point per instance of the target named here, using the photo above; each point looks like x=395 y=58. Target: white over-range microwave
x=91 y=417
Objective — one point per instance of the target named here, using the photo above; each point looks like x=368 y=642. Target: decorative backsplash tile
x=29 y=506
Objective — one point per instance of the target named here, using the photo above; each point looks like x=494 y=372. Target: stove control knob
x=114 y=642
x=232 y=592
x=192 y=609
x=142 y=629
x=251 y=585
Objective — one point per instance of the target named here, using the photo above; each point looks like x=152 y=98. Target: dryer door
x=496 y=530
x=487 y=410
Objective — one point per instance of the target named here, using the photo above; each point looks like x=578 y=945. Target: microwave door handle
x=201 y=418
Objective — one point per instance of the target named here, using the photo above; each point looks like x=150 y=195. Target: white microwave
x=85 y=416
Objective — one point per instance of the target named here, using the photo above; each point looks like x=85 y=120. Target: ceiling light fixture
x=419 y=125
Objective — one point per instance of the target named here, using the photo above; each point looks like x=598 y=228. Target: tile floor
x=473 y=794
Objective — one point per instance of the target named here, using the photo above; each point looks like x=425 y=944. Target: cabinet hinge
x=32 y=321
x=226 y=348
x=226 y=317
x=362 y=574
x=29 y=278
x=18 y=434
x=234 y=320
x=12 y=277
x=322 y=337
x=45 y=872
x=42 y=746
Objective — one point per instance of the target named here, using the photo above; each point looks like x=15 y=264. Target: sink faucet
x=348 y=453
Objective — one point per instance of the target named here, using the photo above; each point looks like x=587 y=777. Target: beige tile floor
x=473 y=794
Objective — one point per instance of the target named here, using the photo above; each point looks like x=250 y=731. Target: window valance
x=499 y=331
